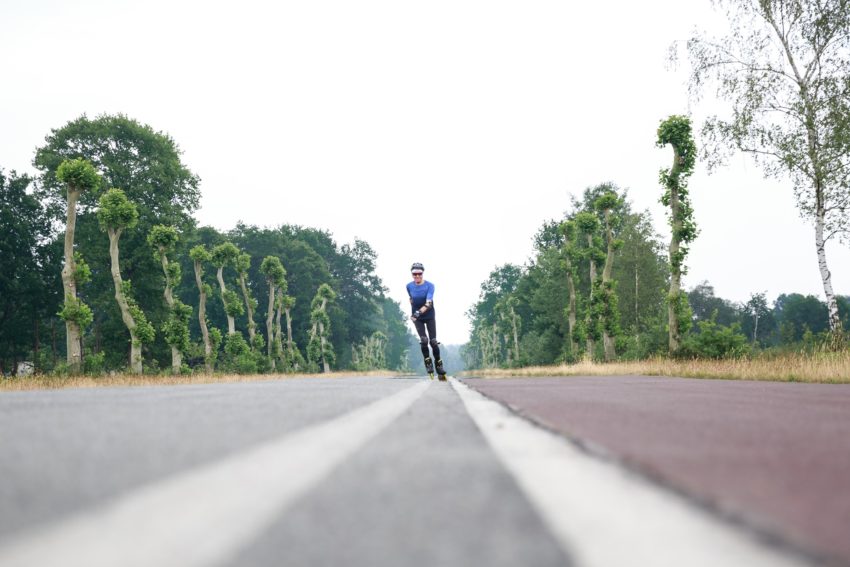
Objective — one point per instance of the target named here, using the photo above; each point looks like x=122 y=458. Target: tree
x=243 y=264
x=320 y=348
x=200 y=255
x=609 y=314
x=79 y=176
x=276 y=278
x=571 y=258
x=117 y=213
x=224 y=255
x=588 y=226
x=676 y=131
x=757 y=310
x=163 y=239
x=785 y=69
x=27 y=274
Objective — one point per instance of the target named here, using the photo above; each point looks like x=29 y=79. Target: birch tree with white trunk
x=784 y=70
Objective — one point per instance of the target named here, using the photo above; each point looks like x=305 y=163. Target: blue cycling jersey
x=420 y=294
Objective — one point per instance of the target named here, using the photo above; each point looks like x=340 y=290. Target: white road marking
x=604 y=515
x=203 y=516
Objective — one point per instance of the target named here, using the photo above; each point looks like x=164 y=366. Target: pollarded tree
x=676 y=131
x=163 y=239
x=588 y=226
x=570 y=233
x=224 y=255
x=510 y=323
x=242 y=265
x=292 y=358
x=116 y=214
x=275 y=273
x=320 y=348
x=785 y=70
x=77 y=176
x=606 y=296
x=200 y=255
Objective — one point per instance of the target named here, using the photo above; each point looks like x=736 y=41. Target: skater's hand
x=415 y=316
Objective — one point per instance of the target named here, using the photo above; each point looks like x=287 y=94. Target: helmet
x=417 y=266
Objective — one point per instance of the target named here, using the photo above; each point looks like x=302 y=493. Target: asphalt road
x=354 y=471
x=775 y=456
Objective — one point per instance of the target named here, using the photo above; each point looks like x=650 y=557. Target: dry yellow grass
x=47 y=382
x=820 y=367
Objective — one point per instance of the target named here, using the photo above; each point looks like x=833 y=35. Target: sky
x=441 y=132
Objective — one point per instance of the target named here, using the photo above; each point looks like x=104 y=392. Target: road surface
x=354 y=471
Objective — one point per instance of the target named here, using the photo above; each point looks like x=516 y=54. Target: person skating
x=421 y=294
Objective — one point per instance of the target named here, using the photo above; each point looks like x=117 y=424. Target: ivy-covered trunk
x=673 y=299
x=176 y=356
x=608 y=291
x=202 y=318
x=126 y=316
x=591 y=343
x=73 y=332
x=270 y=325
x=252 y=326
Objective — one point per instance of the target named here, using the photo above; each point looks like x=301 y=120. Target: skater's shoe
x=441 y=372
x=429 y=366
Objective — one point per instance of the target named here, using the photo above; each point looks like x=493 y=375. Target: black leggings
x=431 y=325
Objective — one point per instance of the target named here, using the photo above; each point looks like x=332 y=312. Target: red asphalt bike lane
x=775 y=455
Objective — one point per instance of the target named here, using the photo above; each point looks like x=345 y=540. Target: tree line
x=105 y=268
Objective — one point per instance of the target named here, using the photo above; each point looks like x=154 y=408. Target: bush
x=715 y=341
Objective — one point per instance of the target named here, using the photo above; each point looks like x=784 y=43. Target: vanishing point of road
x=583 y=471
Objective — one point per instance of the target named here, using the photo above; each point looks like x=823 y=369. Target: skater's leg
x=423 y=344
x=435 y=346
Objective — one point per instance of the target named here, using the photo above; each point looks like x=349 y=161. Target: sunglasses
x=415 y=274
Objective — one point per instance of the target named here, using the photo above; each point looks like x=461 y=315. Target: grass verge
x=818 y=367
x=48 y=382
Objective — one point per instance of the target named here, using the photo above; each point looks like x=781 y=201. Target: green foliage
x=116 y=211
x=200 y=254
x=162 y=239
x=371 y=353
x=716 y=341
x=232 y=303
x=82 y=272
x=273 y=269
x=94 y=363
x=144 y=330
x=78 y=174
x=676 y=131
x=215 y=344
x=225 y=254
x=176 y=327
x=75 y=310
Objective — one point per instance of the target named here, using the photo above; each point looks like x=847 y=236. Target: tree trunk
x=135 y=343
x=73 y=333
x=176 y=356
x=607 y=339
x=591 y=344
x=37 y=349
x=251 y=325
x=571 y=314
x=673 y=301
x=835 y=326
x=325 y=366
x=231 y=322
x=516 y=334
x=278 y=336
x=270 y=325
x=637 y=315
x=202 y=319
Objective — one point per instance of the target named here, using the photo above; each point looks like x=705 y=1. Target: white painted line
x=604 y=515
x=204 y=516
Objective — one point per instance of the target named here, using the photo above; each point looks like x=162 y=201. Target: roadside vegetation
x=781 y=73
x=176 y=298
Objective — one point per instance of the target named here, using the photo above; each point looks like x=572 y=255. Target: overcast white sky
x=444 y=132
